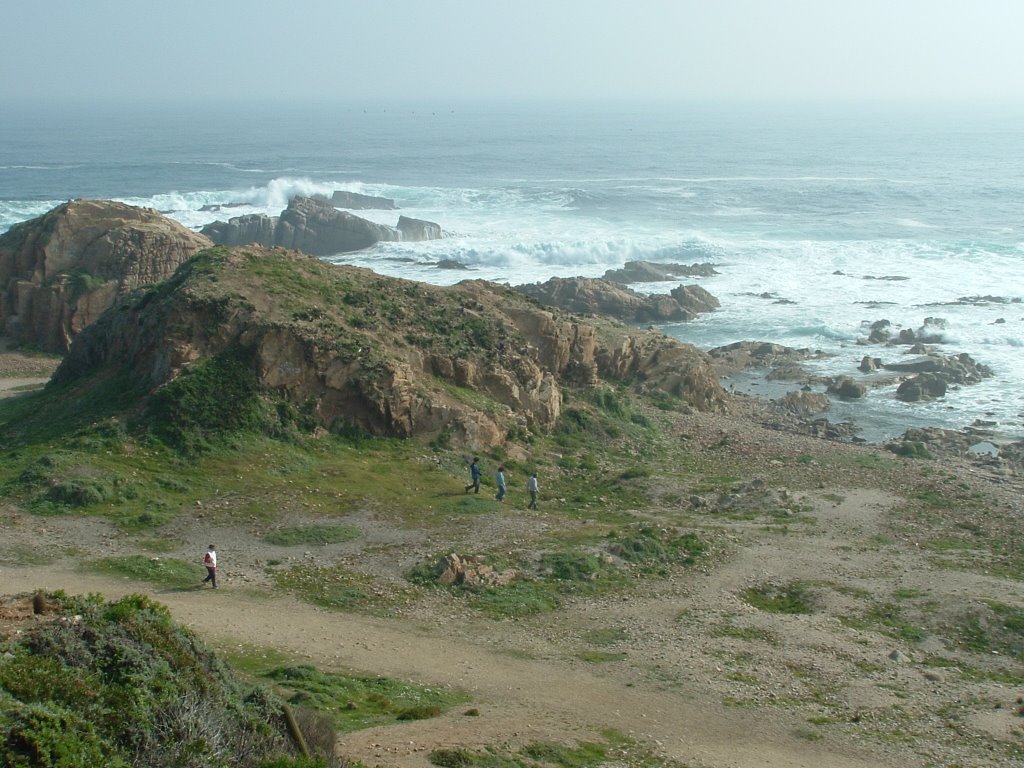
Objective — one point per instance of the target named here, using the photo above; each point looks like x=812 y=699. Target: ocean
x=818 y=220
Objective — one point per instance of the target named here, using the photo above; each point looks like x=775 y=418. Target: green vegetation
x=311 y=534
x=889 y=619
x=165 y=572
x=607 y=636
x=794 y=598
x=616 y=750
x=334 y=587
x=996 y=628
x=589 y=568
x=911 y=449
x=355 y=702
x=119 y=684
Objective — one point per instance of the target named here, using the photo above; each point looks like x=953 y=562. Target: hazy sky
x=457 y=50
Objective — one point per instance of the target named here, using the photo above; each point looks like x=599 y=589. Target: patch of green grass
x=891 y=620
x=616 y=750
x=164 y=571
x=254 y=660
x=599 y=657
x=520 y=598
x=334 y=587
x=356 y=702
x=22 y=554
x=908 y=593
x=311 y=534
x=995 y=629
x=745 y=633
x=792 y=598
x=606 y=636
x=911 y=449
x=655 y=549
x=159 y=546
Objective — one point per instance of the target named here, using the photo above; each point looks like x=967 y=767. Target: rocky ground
x=877 y=671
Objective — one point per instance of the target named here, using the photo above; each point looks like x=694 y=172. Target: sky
x=547 y=50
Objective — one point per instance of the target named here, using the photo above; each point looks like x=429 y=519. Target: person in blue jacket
x=474 y=475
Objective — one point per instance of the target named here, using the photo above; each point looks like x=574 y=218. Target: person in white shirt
x=210 y=561
x=533 y=489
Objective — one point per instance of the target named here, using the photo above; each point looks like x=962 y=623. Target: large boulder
x=418 y=229
x=924 y=386
x=382 y=355
x=253 y=228
x=953 y=369
x=60 y=271
x=316 y=227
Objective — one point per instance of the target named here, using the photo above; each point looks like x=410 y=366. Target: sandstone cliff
x=388 y=356
x=316 y=227
x=60 y=271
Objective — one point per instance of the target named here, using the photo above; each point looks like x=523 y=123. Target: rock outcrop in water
x=318 y=228
x=354 y=201
x=592 y=296
x=653 y=272
x=356 y=350
x=60 y=271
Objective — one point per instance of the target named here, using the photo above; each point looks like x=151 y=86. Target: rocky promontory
x=355 y=350
x=317 y=227
x=60 y=271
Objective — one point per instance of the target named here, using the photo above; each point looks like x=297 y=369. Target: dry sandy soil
x=701 y=676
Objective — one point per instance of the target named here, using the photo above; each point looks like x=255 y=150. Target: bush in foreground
x=120 y=684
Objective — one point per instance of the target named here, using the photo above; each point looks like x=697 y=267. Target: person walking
x=210 y=561
x=474 y=475
x=533 y=489
x=500 y=480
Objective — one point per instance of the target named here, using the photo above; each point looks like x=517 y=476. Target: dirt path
x=520 y=700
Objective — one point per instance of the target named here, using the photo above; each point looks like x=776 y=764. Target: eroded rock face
x=60 y=271
x=316 y=227
x=387 y=356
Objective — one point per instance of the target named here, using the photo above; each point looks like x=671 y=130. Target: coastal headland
x=710 y=579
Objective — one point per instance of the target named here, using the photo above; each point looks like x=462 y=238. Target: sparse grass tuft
x=166 y=572
x=311 y=534
x=793 y=598
x=356 y=702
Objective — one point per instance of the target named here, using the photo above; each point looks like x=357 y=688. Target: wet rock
x=924 y=386
x=847 y=388
x=652 y=272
